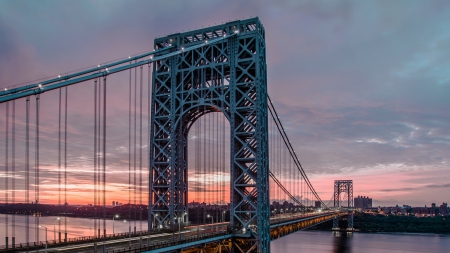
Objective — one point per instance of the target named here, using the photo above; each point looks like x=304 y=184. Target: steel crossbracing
x=220 y=69
x=343 y=187
x=230 y=77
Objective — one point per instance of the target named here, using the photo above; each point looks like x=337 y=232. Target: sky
x=362 y=87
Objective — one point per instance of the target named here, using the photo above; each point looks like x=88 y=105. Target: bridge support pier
x=336 y=223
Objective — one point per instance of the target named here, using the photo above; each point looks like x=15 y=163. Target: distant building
x=423 y=211
x=317 y=204
x=443 y=209
x=363 y=202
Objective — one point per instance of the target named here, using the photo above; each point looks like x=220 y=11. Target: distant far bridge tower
x=344 y=187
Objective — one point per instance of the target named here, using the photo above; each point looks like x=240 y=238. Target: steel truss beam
x=229 y=77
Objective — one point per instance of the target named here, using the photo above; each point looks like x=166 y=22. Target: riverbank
x=393 y=224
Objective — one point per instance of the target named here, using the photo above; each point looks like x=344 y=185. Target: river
x=300 y=242
x=320 y=241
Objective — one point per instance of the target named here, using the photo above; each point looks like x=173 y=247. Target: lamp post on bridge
x=115 y=216
x=212 y=219
x=54 y=230
x=179 y=228
x=46 y=250
x=154 y=220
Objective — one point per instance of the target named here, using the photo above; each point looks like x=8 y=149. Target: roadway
x=119 y=245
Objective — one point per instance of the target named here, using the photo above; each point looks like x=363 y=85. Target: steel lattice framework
x=346 y=187
x=229 y=77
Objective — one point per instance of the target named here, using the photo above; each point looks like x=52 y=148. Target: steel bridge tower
x=345 y=187
x=229 y=77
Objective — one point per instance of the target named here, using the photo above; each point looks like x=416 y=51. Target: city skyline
x=361 y=87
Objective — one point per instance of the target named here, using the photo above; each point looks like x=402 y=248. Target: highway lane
x=116 y=245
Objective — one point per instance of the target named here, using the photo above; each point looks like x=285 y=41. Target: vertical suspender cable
x=148 y=131
x=204 y=169
x=134 y=152
x=219 y=175
x=290 y=175
x=210 y=158
x=196 y=169
x=196 y=172
x=223 y=162
x=6 y=173
x=65 y=165
x=95 y=157
x=217 y=158
x=140 y=149
x=27 y=169
x=129 y=155
x=99 y=157
x=104 y=156
x=36 y=187
x=270 y=160
x=59 y=163
x=278 y=169
x=13 y=165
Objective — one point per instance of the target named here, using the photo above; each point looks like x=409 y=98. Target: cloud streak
x=361 y=87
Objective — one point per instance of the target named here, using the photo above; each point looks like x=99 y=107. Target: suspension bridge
x=200 y=153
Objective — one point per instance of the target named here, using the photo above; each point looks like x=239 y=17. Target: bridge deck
x=190 y=237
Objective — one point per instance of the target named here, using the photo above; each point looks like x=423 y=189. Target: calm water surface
x=76 y=227
x=318 y=242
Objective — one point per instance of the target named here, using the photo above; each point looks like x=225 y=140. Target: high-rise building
x=363 y=202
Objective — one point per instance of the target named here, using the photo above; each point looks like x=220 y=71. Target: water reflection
x=342 y=242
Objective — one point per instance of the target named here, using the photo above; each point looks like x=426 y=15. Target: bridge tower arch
x=227 y=76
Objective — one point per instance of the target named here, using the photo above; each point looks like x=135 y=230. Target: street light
x=45 y=237
x=179 y=228
x=129 y=232
x=154 y=221
x=223 y=216
x=115 y=216
x=54 y=232
x=212 y=218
